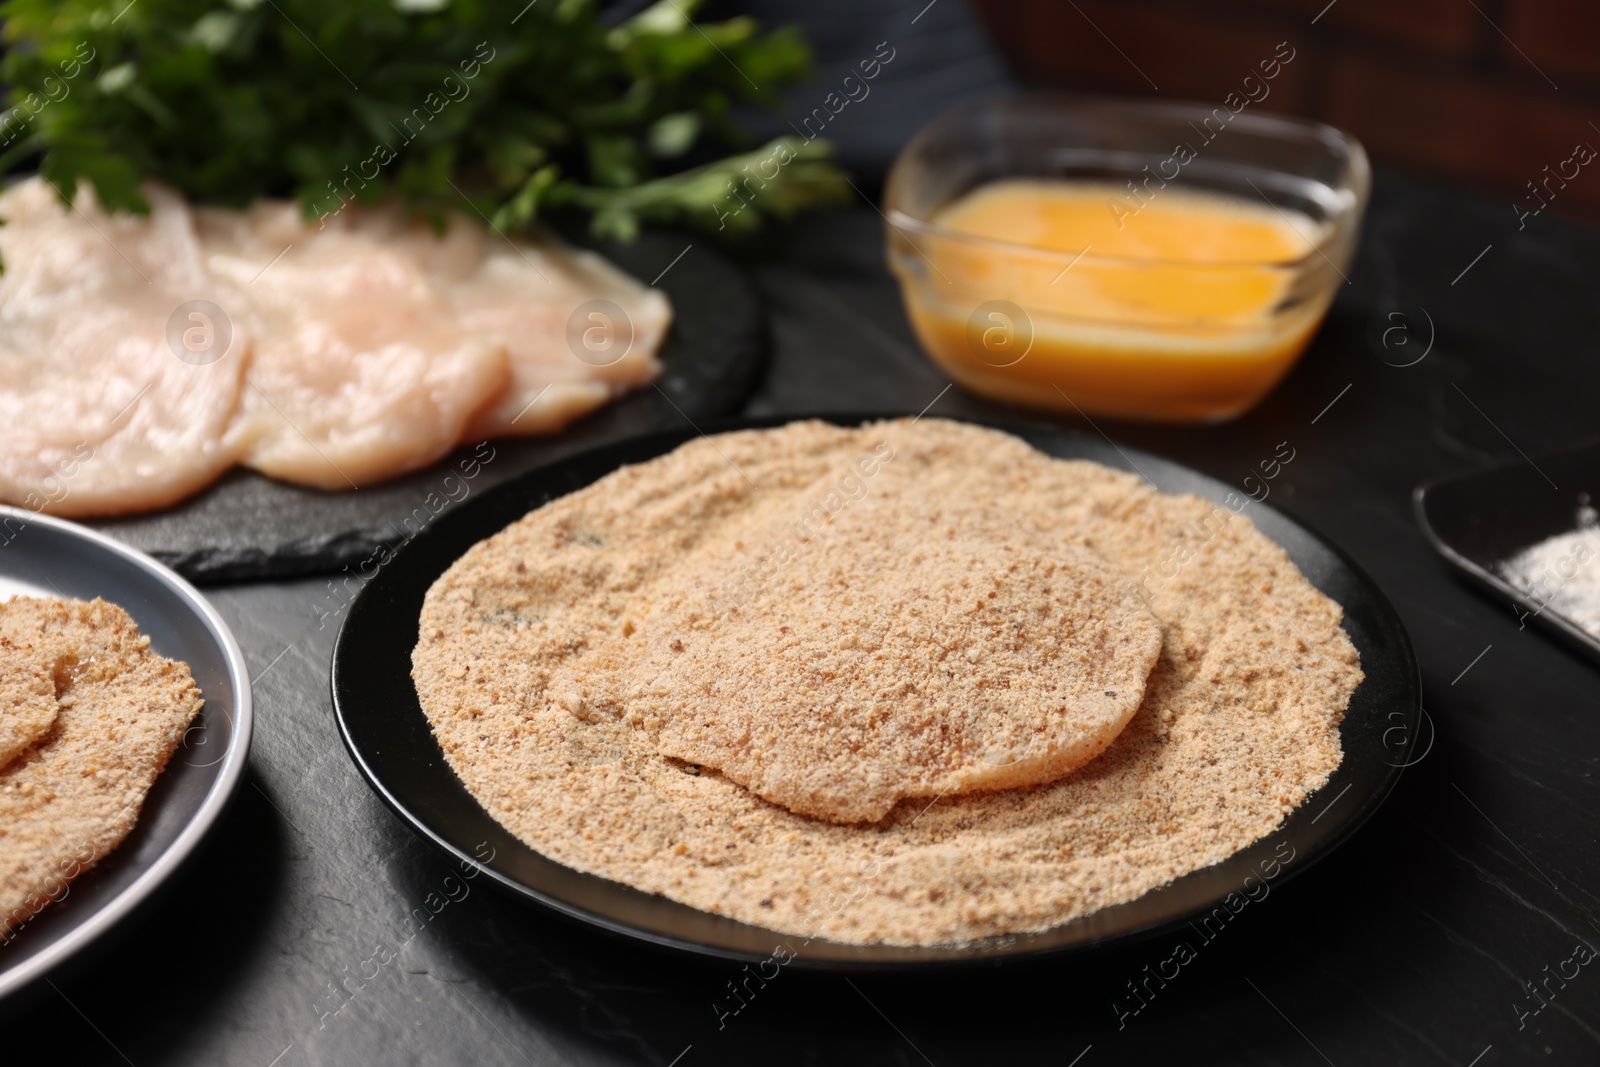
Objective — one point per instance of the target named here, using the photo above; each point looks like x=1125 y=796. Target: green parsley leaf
x=447 y=104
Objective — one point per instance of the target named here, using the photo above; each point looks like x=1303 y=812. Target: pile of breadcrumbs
x=912 y=683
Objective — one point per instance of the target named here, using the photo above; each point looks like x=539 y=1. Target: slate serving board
x=248 y=526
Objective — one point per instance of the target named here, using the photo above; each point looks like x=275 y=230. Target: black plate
x=388 y=735
x=1480 y=519
x=249 y=526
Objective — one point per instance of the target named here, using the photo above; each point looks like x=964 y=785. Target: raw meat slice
x=101 y=415
x=359 y=371
x=543 y=303
x=332 y=354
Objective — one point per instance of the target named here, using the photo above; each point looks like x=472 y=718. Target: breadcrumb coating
x=121 y=711
x=519 y=667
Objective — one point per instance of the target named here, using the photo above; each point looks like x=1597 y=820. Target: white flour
x=1560 y=572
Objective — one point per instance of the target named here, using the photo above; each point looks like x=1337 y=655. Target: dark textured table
x=315 y=929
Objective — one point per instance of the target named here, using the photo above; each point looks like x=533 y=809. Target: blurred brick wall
x=1482 y=93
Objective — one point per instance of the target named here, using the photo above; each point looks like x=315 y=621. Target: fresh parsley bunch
x=501 y=109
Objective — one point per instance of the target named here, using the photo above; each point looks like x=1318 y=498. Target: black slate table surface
x=314 y=929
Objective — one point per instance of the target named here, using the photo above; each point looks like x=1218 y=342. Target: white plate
x=48 y=557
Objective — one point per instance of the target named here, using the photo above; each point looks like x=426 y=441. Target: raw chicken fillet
x=357 y=349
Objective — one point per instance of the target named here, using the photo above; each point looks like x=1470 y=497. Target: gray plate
x=1479 y=520
x=44 y=556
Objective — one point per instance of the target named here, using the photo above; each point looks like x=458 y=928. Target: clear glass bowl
x=1031 y=325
